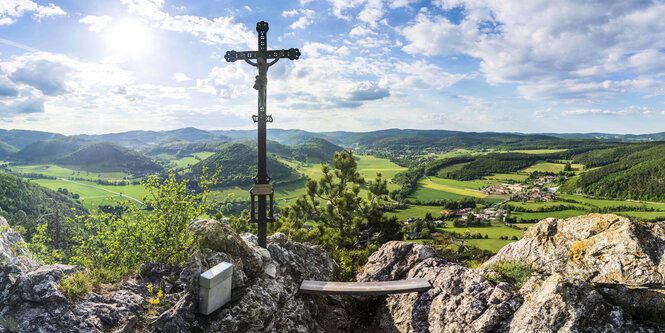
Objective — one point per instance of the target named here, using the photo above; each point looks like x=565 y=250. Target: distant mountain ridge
x=138 y=140
x=387 y=138
x=22 y=138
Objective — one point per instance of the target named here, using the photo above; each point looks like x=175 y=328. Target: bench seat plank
x=364 y=288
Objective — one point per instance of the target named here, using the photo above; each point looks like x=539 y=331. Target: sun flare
x=129 y=37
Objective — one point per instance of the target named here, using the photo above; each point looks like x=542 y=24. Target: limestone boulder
x=563 y=304
x=218 y=243
x=11 y=244
x=461 y=300
x=599 y=248
x=30 y=297
x=269 y=299
x=393 y=261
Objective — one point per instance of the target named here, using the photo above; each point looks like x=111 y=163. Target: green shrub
x=76 y=285
x=111 y=245
x=516 y=271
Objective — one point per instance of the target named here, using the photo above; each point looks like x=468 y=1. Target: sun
x=129 y=37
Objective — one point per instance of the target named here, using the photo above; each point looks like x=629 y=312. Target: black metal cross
x=262 y=188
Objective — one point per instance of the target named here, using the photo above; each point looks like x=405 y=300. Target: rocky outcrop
x=265 y=294
x=594 y=273
x=393 y=261
x=31 y=298
x=268 y=299
x=563 y=304
x=600 y=248
x=461 y=300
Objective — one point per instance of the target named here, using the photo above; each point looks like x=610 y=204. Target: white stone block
x=215 y=287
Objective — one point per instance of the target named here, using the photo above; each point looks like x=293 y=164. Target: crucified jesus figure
x=261 y=81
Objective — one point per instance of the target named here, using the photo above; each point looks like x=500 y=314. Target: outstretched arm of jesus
x=247 y=60
x=272 y=62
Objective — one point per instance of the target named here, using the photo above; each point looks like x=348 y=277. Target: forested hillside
x=238 y=163
x=23 y=203
x=181 y=149
x=315 y=150
x=109 y=157
x=49 y=150
x=6 y=150
x=634 y=171
x=146 y=139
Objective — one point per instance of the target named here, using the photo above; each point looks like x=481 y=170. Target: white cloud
x=21 y=107
x=433 y=35
x=569 y=47
x=339 y=6
x=343 y=51
x=219 y=30
x=290 y=13
x=306 y=18
x=421 y=75
x=224 y=82
x=96 y=23
x=631 y=110
x=399 y=3
x=542 y=113
x=47 y=11
x=315 y=49
x=372 y=12
x=181 y=77
x=10 y=10
x=361 y=31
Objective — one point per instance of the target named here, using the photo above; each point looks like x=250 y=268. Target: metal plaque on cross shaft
x=262 y=190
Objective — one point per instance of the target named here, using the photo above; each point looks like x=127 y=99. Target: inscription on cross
x=262 y=189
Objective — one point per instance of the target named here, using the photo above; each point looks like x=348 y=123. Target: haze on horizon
x=94 y=67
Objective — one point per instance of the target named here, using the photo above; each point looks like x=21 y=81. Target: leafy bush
x=111 y=245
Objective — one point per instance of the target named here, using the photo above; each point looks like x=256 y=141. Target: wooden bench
x=364 y=288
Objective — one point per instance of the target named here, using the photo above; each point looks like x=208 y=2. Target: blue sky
x=498 y=65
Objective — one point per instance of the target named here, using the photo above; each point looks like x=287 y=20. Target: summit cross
x=262 y=187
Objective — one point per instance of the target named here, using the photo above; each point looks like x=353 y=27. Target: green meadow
x=93 y=195
x=52 y=170
x=535 y=151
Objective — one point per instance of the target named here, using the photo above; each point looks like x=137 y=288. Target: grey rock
x=10 y=242
x=267 y=302
x=461 y=299
x=601 y=248
x=393 y=260
x=561 y=304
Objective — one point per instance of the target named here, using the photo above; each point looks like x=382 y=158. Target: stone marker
x=215 y=288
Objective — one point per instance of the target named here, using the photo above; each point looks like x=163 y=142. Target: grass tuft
x=517 y=271
x=76 y=285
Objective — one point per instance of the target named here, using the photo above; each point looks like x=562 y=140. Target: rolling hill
x=181 y=149
x=139 y=140
x=635 y=171
x=48 y=151
x=238 y=163
x=109 y=157
x=6 y=150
